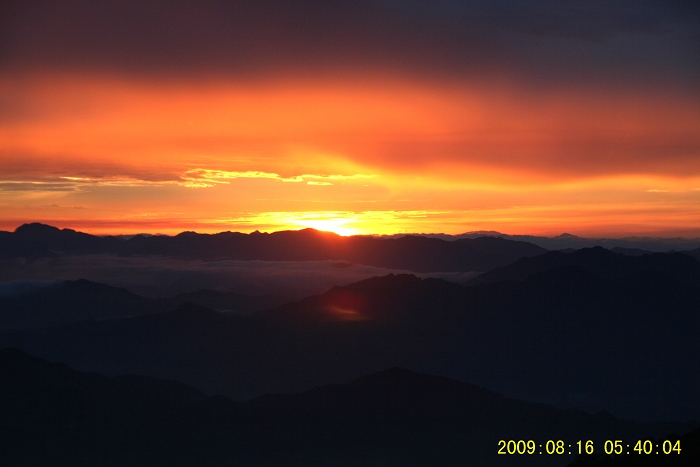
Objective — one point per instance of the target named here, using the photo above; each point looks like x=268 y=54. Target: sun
x=336 y=225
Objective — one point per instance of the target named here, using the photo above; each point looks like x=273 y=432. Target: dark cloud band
x=543 y=39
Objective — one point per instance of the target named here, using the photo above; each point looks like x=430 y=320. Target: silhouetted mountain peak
x=566 y=274
x=84 y=285
x=600 y=262
x=307 y=233
x=192 y=310
x=66 y=301
x=36 y=228
x=633 y=251
x=411 y=252
x=605 y=415
x=48 y=233
x=15 y=363
x=187 y=233
x=596 y=249
x=394 y=286
x=395 y=376
x=395 y=373
x=379 y=299
x=390 y=280
x=482 y=232
x=14 y=356
x=399 y=379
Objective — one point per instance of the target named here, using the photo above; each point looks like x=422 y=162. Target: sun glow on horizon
x=344 y=223
x=117 y=156
x=335 y=225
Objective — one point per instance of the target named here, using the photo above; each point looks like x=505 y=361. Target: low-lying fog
x=159 y=277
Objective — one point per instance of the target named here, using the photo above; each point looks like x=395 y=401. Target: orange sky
x=367 y=155
x=372 y=117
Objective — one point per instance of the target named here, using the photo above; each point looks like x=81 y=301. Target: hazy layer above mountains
x=161 y=277
x=155 y=276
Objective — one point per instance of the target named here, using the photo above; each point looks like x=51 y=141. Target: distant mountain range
x=475 y=251
x=53 y=415
x=568 y=241
x=590 y=330
x=413 y=253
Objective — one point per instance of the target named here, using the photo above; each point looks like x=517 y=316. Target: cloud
x=242 y=38
x=219 y=176
x=73 y=184
x=36 y=186
x=192 y=178
x=207 y=178
x=194 y=112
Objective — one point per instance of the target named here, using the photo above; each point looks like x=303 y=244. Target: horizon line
x=485 y=233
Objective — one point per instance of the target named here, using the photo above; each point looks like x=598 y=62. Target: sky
x=359 y=117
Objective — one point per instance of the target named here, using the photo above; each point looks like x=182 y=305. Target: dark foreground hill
x=567 y=336
x=53 y=415
x=413 y=253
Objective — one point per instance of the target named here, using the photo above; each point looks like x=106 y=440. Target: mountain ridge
x=36 y=306
x=600 y=261
x=414 y=253
x=540 y=339
x=394 y=417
